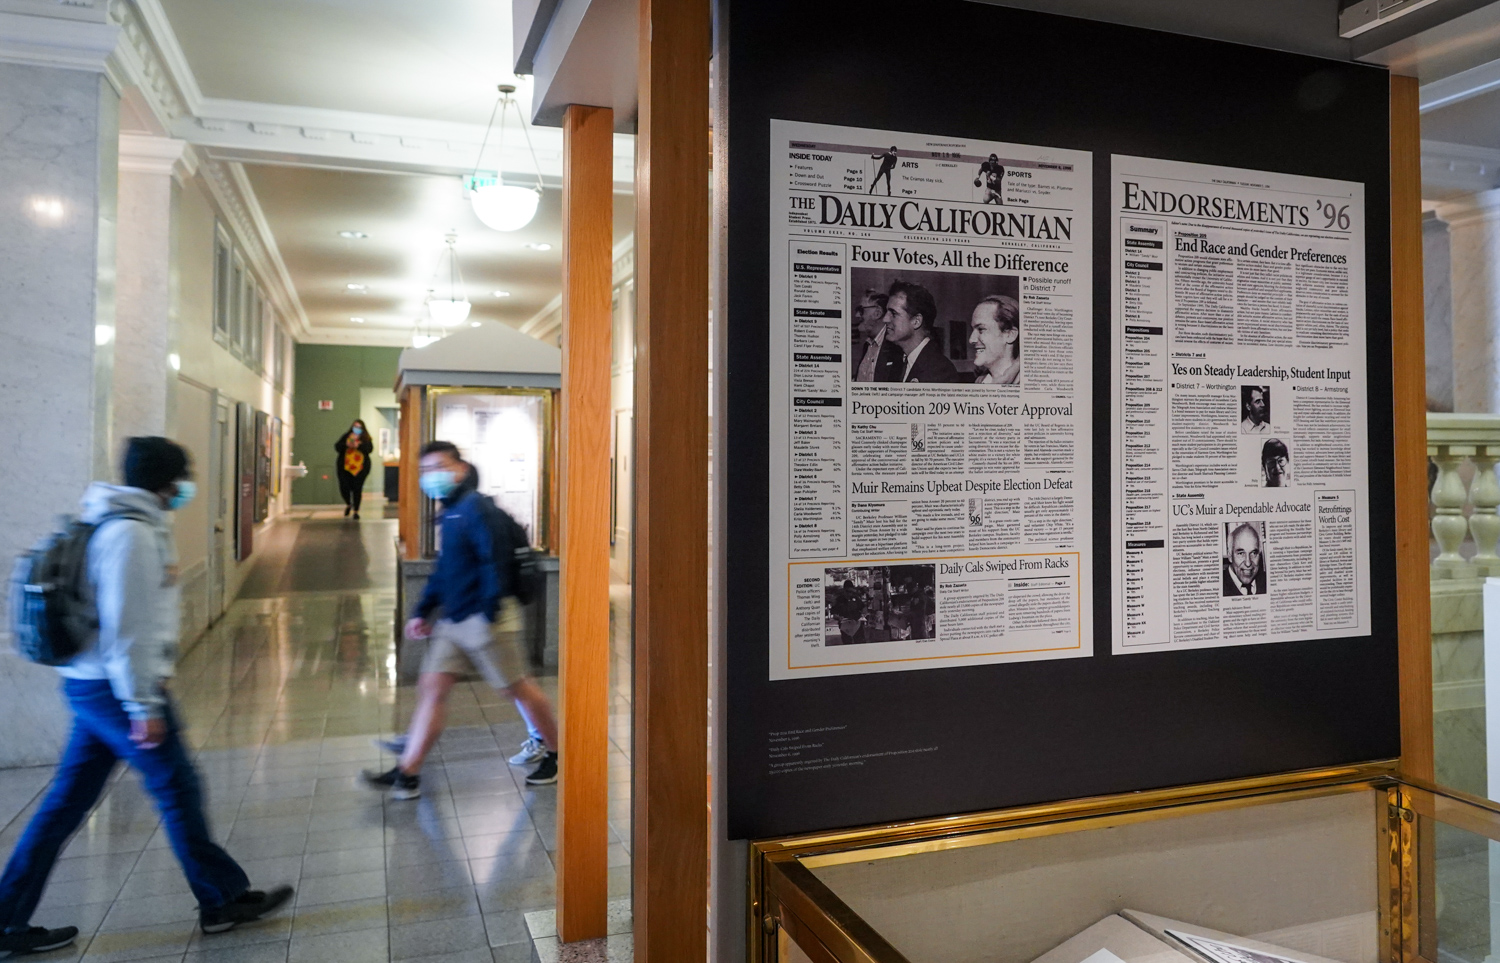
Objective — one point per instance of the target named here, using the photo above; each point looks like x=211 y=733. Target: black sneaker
x=35 y=939
x=250 y=906
x=399 y=783
x=544 y=774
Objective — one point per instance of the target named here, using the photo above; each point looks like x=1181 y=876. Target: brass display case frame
x=789 y=903
x=548 y=430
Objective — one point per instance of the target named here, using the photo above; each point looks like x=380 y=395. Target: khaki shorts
x=492 y=650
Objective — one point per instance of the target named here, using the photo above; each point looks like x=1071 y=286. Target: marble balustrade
x=1464 y=449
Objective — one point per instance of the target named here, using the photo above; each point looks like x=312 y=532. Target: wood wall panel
x=409 y=512
x=583 y=794
x=670 y=851
x=1409 y=398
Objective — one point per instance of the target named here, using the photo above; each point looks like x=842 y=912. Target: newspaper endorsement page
x=1239 y=440
x=930 y=401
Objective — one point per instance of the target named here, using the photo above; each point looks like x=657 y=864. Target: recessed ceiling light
x=358 y=320
x=357 y=288
x=499 y=294
x=473 y=324
x=539 y=246
x=354 y=235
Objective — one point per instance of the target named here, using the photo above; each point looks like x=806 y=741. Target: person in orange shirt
x=354 y=447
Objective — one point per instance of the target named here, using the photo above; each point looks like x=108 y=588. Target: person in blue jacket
x=470 y=619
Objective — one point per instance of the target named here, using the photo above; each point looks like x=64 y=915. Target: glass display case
x=1350 y=865
x=504 y=433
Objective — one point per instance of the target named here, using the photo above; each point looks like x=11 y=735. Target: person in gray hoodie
x=117 y=691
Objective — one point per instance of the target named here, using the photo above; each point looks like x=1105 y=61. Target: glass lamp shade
x=448 y=313
x=504 y=208
x=423 y=340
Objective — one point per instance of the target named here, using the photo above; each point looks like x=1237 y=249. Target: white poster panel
x=930 y=401
x=1239 y=439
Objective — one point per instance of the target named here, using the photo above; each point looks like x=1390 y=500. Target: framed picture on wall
x=277 y=449
x=262 y=466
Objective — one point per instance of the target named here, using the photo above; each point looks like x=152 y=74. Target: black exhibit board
x=1058 y=439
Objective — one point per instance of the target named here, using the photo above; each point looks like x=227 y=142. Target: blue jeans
x=100 y=738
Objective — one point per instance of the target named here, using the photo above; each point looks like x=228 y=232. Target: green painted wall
x=329 y=372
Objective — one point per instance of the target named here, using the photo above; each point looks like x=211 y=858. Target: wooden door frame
x=1409 y=401
x=670 y=829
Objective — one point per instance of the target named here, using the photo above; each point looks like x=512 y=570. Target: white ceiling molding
x=141 y=154
x=152 y=60
x=546 y=322
x=623 y=268
x=1451 y=170
x=1461 y=86
x=375 y=337
x=55 y=41
x=236 y=201
x=347 y=140
x=92 y=10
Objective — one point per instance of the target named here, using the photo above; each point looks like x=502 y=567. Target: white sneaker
x=532 y=750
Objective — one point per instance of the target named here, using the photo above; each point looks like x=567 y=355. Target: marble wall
x=1458 y=700
x=1437 y=290
x=143 y=306
x=57 y=148
x=1474 y=244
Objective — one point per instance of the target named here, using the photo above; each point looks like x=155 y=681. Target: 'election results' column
x=819 y=336
x=1143 y=404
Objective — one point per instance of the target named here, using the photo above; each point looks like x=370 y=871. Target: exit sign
x=325 y=406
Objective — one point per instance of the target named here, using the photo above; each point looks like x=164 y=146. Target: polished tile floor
x=281 y=700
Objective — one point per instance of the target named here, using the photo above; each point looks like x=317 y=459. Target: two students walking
x=117 y=685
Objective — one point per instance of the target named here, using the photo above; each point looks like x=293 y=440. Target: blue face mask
x=357 y=430
x=185 y=492
x=439 y=484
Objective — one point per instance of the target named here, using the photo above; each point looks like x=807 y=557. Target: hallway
x=281 y=700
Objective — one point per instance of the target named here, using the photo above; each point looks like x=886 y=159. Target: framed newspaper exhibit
x=930 y=497
x=949 y=423
x=1238 y=349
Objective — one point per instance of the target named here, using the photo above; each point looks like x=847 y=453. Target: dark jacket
x=364 y=445
x=466 y=579
x=1232 y=585
x=890 y=363
x=931 y=367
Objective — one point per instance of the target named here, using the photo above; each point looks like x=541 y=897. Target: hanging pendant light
x=501 y=206
x=423 y=334
x=454 y=309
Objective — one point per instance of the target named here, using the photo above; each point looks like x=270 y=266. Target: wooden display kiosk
x=492 y=391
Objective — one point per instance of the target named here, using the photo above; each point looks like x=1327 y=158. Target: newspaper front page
x=930 y=401
x=1240 y=462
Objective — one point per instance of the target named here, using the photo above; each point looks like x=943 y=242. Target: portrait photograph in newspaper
x=1239 y=436
x=930 y=401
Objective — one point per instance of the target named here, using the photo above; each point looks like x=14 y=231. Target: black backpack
x=52 y=612
x=522 y=572
x=53 y=615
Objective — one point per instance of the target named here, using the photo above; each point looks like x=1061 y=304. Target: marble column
x=1437 y=290
x=144 y=319
x=1474 y=247
x=58 y=142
